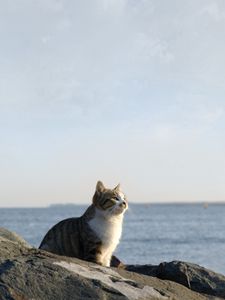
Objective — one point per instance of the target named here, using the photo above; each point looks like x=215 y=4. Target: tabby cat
x=95 y=235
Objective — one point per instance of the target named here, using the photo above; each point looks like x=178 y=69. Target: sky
x=114 y=90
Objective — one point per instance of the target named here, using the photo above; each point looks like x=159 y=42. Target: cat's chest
x=108 y=231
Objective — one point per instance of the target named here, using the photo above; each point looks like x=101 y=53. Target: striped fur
x=93 y=236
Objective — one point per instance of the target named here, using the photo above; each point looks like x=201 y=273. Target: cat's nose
x=123 y=204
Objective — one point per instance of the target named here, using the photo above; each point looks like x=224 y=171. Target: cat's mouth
x=119 y=210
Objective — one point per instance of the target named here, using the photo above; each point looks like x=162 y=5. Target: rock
x=115 y=262
x=28 y=273
x=11 y=244
x=13 y=237
x=190 y=275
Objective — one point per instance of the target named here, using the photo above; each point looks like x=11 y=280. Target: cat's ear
x=100 y=187
x=117 y=188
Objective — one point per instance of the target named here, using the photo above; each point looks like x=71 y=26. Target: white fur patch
x=114 y=280
x=122 y=196
x=109 y=229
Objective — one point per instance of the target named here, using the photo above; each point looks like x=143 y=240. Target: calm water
x=152 y=233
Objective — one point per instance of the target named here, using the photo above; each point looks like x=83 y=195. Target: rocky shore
x=27 y=273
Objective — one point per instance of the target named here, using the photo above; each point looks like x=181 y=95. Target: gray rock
x=28 y=273
x=193 y=276
x=13 y=237
x=11 y=244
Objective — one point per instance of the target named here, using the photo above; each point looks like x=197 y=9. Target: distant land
x=205 y=204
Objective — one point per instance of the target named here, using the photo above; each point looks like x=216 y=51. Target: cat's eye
x=116 y=198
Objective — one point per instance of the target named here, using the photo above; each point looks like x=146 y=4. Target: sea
x=152 y=233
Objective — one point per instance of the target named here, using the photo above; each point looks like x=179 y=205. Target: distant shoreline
x=60 y=205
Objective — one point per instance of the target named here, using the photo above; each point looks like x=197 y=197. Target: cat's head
x=113 y=202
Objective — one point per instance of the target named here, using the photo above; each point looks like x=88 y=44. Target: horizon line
x=131 y=203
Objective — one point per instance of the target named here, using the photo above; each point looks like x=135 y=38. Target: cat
x=95 y=235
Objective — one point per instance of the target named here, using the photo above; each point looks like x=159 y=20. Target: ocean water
x=151 y=233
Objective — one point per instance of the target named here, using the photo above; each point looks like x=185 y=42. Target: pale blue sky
x=117 y=90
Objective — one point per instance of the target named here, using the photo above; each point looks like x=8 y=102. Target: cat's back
x=64 y=238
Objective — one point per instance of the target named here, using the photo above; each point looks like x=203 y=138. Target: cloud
x=212 y=116
x=115 y=7
x=215 y=11
x=146 y=49
x=86 y=47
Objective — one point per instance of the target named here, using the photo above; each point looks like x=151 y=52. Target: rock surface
x=28 y=273
x=190 y=275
